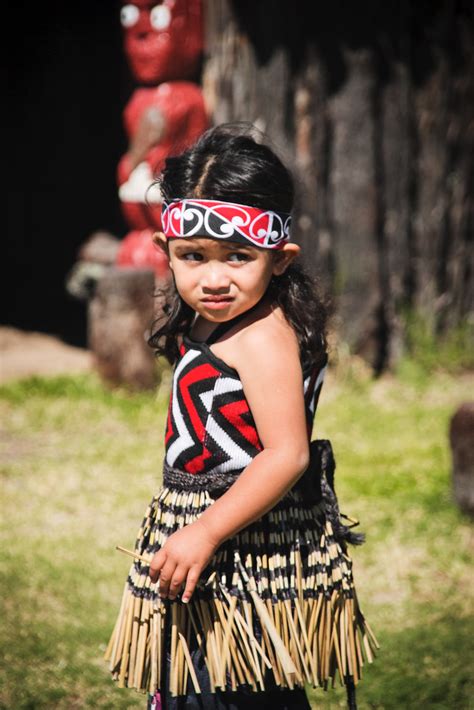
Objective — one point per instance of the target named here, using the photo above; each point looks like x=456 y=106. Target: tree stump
x=461 y=436
x=120 y=314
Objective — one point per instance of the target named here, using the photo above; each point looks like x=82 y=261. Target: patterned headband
x=225 y=220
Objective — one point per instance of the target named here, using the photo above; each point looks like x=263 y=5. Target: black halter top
x=210 y=428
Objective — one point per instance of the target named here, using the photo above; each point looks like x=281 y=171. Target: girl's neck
x=203 y=330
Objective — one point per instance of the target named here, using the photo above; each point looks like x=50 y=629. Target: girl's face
x=221 y=279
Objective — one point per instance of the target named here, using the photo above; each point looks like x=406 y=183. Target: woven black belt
x=215 y=483
x=316 y=485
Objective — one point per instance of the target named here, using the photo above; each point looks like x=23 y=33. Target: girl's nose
x=216 y=277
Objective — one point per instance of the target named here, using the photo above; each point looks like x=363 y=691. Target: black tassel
x=317 y=484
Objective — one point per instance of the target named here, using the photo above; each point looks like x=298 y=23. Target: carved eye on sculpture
x=129 y=15
x=160 y=17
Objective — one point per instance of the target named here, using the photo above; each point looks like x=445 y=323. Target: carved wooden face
x=158 y=120
x=163 y=40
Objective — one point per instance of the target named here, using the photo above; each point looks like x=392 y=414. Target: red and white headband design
x=225 y=220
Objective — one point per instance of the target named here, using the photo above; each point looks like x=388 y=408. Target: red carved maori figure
x=163 y=44
x=166 y=112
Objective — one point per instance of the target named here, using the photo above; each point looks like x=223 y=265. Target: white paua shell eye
x=160 y=17
x=129 y=15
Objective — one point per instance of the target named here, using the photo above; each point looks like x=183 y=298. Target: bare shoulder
x=269 y=339
x=272 y=330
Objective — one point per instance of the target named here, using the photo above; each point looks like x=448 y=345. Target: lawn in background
x=79 y=465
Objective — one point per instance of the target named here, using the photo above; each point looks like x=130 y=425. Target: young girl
x=241 y=591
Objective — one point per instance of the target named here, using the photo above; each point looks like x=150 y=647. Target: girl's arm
x=269 y=368
x=266 y=357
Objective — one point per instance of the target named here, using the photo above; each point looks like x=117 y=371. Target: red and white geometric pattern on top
x=225 y=220
x=210 y=428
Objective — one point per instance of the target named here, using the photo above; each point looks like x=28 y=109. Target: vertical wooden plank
x=353 y=203
x=394 y=185
x=429 y=218
x=456 y=283
x=312 y=136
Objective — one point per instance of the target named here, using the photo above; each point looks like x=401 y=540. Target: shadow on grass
x=428 y=666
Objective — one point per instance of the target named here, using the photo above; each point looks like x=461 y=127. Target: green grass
x=79 y=464
x=452 y=351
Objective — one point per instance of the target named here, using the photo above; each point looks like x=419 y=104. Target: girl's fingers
x=179 y=576
x=166 y=575
x=157 y=563
x=191 y=581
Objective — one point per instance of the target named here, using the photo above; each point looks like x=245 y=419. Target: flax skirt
x=275 y=608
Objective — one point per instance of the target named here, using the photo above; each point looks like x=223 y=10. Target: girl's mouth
x=217 y=302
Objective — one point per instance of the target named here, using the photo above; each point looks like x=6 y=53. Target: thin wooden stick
x=306 y=640
x=327 y=641
x=296 y=641
x=216 y=623
x=237 y=668
x=368 y=651
x=111 y=652
x=243 y=626
x=187 y=625
x=146 y=560
x=352 y=647
x=134 y=640
x=179 y=650
x=274 y=612
x=245 y=638
x=141 y=648
x=286 y=660
x=268 y=648
x=189 y=661
x=154 y=651
x=336 y=642
x=200 y=639
x=343 y=637
x=125 y=653
x=174 y=643
x=210 y=641
x=359 y=651
x=256 y=665
x=227 y=623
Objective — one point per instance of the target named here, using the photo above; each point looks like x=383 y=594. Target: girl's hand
x=181 y=560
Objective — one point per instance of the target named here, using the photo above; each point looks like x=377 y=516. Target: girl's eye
x=238 y=256
x=192 y=256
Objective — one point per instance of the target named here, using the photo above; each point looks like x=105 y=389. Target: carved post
x=120 y=314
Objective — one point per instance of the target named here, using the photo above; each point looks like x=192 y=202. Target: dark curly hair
x=227 y=163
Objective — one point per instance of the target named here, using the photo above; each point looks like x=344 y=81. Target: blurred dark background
x=67 y=85
x=373 y=104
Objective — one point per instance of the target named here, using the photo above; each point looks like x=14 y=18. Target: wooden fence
x=372 y=105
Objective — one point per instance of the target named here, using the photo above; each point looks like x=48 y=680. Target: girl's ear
x=161 y=242
x=283 y=258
